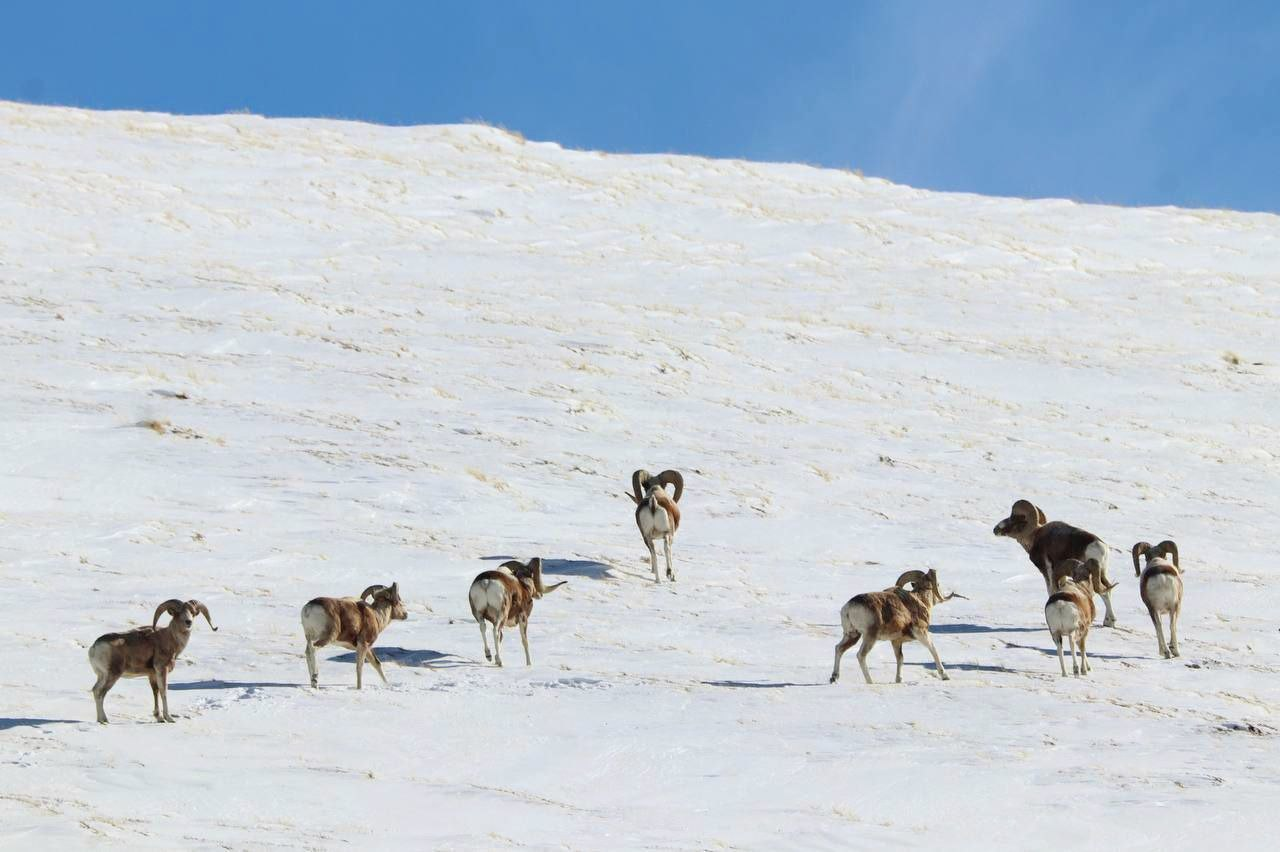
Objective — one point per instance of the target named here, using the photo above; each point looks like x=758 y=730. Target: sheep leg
x=377 y=664
x=897 y=653
x=1062 y=660
x=1084 y=655
x=163 y=672
x=497 y=641
x=1075 y=666
x=666 y=542
x=311 y=664
x=1155 y=619
x=106 y=680
x=1110 y=619
x=922 y=636
x=154 y=680
x=868 y=642
x=653 y=559
x=846 y=642
x=484 y=639
x=1173 y=630
x=360 y=651
x=524 y=640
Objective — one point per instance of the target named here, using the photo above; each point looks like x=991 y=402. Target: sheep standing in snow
x=1160 y=585
x=504 y=598
x=351 y=623
x=1049 y=542
x=657 y=514
x=148 y=651
x=898 y=615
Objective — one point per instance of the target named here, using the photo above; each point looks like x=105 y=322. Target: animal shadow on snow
x=233 y=684
x=1053 y=652
x=568 y=567
x=967 y=667
x=757 y=684
x=423 y=659
x=980 y=628
x=6 y=724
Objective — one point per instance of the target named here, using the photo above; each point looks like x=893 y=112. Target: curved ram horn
x=672 y=477
x=512 y=565
x=535 y=564
x=1170 y=548
x=1041 y=520
x=372 y=590
x=639 y=482
x=172 y=606
x=1139 y=549
x=910 y=577
x=203 y=610
x=1026 y=509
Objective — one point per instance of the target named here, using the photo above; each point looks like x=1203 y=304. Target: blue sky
x=1123 y=102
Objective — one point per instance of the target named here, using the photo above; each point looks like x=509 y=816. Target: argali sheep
x=1049 y=542
x=1069 y=612
x=657 y=514
x=351 y=623
x=504 y=598
x=897 y=614
x=1160 y=585
x=148 y=651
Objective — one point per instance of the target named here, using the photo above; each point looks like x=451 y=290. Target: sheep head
x=1024 y=519
x=386 y=596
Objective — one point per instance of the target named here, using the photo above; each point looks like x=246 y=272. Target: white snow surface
x=404 y=353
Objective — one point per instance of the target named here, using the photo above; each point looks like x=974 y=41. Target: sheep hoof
x=834 y=678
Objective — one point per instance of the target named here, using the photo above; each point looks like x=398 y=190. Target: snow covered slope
x=379 y=354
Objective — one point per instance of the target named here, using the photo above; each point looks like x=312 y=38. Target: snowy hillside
x=376 y=354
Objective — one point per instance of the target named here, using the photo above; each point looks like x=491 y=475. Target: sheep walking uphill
x=1069 y=613
x=657 y=514
x=1160 y=585
x=504 y=598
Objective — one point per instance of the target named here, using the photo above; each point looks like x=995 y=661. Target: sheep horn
x=203 y=610
x=639 y=483
x=909 y=577
x=1170 y=548
x=1030 y=511
x=535 y=564
x=672 y=477
x=1139 y=549
x=171 y=606
x=372 y=590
